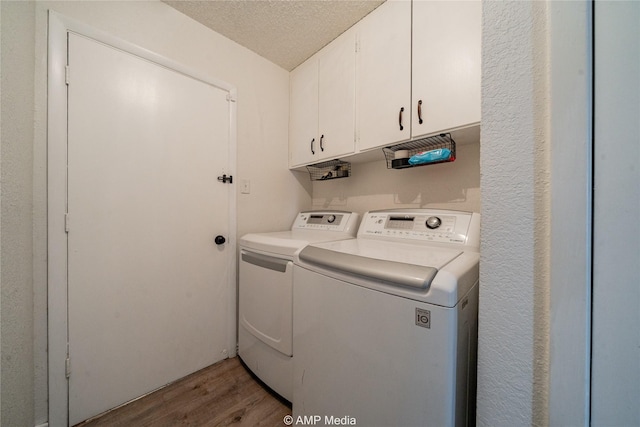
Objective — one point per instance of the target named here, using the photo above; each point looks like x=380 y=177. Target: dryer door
x=265 y=300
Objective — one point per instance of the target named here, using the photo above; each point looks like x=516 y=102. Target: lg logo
x=423 y=318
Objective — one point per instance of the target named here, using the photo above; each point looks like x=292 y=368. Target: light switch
x=245 y=186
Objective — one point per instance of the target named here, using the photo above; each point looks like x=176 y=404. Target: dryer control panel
x=441 y=226
x=326 y=220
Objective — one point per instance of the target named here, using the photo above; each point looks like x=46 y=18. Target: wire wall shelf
x=331 y=169
x=421 y=152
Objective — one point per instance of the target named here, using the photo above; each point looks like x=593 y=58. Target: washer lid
x=396 y=263
x=287 y=243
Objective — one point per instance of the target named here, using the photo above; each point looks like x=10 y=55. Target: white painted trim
x=0 y=216
x=56 y=208
x=233 y=224
x=571 y=181
x=59 y=25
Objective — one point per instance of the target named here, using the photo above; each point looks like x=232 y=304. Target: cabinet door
x=446 y=64
x=303 y=114
x=336 y=105
x=384 y=75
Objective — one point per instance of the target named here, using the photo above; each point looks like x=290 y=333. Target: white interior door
x=148 y=289
x=615 y=358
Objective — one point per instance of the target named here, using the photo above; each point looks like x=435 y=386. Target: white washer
x=385 y=325
x=265 y=296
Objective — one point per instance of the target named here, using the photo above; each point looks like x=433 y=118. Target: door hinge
x=231 y=98
x=66 y=223
x=67 y=367
x=66 y=74
x=224 y=179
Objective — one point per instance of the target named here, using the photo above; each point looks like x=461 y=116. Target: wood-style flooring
x=224 y=394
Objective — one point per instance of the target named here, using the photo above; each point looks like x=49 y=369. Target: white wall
x=372 y=186
x=17 y=321
x=262 y=158
x=513 y=354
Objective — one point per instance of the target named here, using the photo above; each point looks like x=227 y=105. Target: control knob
x=433 y=222
x=331 y=219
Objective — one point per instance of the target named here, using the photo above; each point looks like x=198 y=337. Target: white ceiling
x=285 y=32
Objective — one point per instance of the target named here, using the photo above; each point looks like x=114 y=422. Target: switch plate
x=245 y=186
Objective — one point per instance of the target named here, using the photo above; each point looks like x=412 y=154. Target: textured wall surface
x=513 y=330
x=16 y=281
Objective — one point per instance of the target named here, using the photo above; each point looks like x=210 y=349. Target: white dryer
x=385 y=325
x=265 y=292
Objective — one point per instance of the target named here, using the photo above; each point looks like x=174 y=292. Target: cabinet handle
x=312 y=141
x=321 y=138
x=420 y=111
x=400 y=118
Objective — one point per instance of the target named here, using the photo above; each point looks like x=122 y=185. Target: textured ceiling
x=285 y=32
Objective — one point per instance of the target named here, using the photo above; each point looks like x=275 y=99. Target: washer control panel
x=329 y=221
x=418 y=224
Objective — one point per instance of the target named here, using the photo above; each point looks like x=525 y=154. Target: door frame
x=59 y=26
x=570 y=257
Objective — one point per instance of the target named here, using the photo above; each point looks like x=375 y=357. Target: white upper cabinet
x=445 y=65
x=303 y=113
x=384 y=75
x=416 y=72
x=322 y=104
x=337 y=97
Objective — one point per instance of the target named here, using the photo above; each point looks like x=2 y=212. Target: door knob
x=220 y=240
